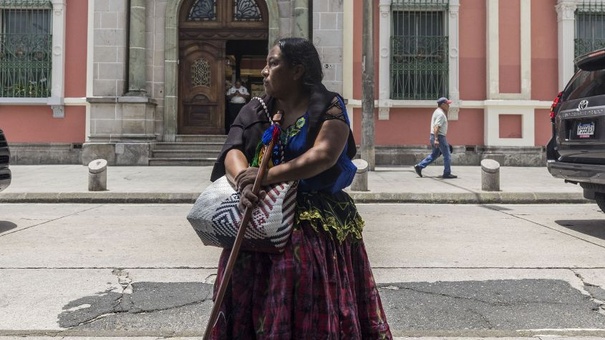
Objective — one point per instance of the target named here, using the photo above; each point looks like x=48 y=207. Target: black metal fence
x=419 y=49
x=25 y=48
x=590 y=27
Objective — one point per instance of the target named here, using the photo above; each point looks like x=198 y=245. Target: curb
x=358 y=197
x=98 y=197
x=470 y=198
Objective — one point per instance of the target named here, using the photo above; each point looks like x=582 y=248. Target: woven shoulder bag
x=216 y=218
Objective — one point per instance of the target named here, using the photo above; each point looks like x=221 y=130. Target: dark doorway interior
x=245 y=60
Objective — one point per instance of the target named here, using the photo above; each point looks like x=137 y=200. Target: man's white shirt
x=238 y=99
x=439 y=118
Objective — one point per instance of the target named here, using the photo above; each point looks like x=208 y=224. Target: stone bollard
x=490 y=175
x=97 y=175
x=360 y=181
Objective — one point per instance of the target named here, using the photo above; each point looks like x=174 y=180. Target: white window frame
x=566 y=24
x=384 y=101
x=56 y=99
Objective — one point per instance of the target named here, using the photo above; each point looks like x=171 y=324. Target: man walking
x=237 y=95
x=438 y=140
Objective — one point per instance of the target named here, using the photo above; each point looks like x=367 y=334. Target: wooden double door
x=201 y=88
x=204 y=36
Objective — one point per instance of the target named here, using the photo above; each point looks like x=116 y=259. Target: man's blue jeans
x=443 y=149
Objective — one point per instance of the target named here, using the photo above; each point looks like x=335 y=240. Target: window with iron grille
x=419 y=49
x=590 y=27
x=25 y=48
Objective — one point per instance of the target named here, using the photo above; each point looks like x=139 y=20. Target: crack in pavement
x=145 y=298
x=48 y=221
x=596 y=293
x=502 y=210
x=488 y=305
x=475 y=299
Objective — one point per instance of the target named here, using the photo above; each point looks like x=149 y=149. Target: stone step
x=201 y=138
x=189 y=146
x=185 y=153
x=187 y=150
x=181 y=161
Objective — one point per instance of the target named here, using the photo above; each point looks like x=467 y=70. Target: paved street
x=126 y=270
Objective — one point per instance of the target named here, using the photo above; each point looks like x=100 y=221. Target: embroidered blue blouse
x=294 y=142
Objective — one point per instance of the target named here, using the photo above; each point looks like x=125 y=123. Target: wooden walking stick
x=240 y=233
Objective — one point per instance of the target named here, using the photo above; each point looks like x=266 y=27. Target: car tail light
x=554 y=105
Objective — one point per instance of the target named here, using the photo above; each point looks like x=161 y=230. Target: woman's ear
x=299 y=72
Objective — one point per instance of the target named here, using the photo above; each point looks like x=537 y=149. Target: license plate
x=585 y=130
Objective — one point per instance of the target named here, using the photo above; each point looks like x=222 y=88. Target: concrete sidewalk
x=182 y=184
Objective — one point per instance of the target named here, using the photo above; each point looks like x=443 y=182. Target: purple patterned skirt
x=320 y=287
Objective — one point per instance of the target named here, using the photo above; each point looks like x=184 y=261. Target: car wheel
x=600 y=198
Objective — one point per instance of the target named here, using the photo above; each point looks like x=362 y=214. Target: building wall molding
x=496 y=103
x=348 y=10
x=493 y=111
x=525 y=41
x=463 y=104
x=385 y=104
x=566 y=28
x=454 y=62
x=384 y=60
x=492 y=49
x=56 y=99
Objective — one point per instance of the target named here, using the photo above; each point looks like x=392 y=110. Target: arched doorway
x=219 y=41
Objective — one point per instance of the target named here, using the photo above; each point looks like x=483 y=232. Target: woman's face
x=279 y=77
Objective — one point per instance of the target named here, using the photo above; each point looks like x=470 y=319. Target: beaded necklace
x=275 y=128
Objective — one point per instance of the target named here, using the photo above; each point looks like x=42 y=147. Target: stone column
x=137 y=66
x=122 y=115
x=384 y=61
x=493 y=50
x=454 y=62
x=565 y=24
x=56 y=100
x=301 y=19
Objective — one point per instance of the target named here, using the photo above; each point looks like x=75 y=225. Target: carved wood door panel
x=201 y=87
x=205 y=28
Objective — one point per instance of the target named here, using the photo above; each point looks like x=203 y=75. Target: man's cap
x=443 y=100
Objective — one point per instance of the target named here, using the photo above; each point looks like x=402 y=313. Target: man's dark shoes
x=418 y=170
x=449 y=176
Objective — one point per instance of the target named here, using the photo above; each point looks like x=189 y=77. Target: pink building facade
x=49 y=129
x=119 y=91
x=504 y=69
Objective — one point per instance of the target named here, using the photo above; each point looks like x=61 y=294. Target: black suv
x=576 y=152
x=5 y=173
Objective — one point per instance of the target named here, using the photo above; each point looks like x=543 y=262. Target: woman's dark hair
x=300 y=51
